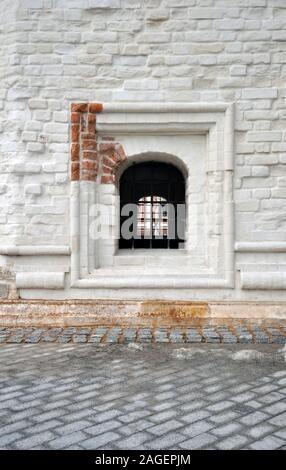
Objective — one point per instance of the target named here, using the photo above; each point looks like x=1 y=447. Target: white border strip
x=263 y=281
x=27 y=250
x=152 y=282
x=164 y=107
x=40 y=280
x=260 y=247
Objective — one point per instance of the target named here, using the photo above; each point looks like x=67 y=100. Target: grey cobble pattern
x=98 y=395
x=242 y=332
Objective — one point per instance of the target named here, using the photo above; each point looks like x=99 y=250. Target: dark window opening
x=156 y=192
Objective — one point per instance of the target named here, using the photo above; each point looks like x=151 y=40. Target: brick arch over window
x=111 y=155
x=92 y=160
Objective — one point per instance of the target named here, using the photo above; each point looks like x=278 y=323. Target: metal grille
x=152 y=218
x=155 y=191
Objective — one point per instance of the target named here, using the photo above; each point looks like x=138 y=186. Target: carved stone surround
x=99 y=137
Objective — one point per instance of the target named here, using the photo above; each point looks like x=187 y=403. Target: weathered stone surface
x=172 y=51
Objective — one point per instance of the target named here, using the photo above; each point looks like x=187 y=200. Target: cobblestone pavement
x=151 y=396
x=231 y=332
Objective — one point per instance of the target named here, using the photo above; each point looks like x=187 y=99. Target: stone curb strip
x=236 y=333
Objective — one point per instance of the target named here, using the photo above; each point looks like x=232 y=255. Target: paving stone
x=254 y=404
x=281 y=433
x=6 y=439
x=243 y=397
x=254 y=418
x=100 y=440
x=161 y=336
x=260 y=336
x=176 y=335
x=226 y=335
x=276 y=336
x=159 y=417
x=271 y=397
x=103 y=427
x=133 y=442
x=229 y=428
x=166 y=405
x=64 y=339
x=77 y=415
x=224 y=417
x=233 y=442
x=107 y=415
x=33 y=441
x=193 y=335
x=210 y=335
x=35 y=336
x=265 y=388
x=129 y=417
x=113 y=335
x=11 y=427
x=197 y=404
x=49 y=415
x=220 y=406
x=196 y=428
x=72 y=427
x=144 y=335
x=129 y=335
x=61 y=395
x=83 y=331
x=67 y=440
x=168 y=441
x=243 y=335
x=260 y=430
x=243 y=409
x=278 y=420
x=198 y=442
x=49 y=338
x=80 y=338
x=39 y=428
x=165 y=427
x=268 y=443
x=4 y=337
x=279 y=373
x=196 y=416
x=16 y=337
x=139 y=425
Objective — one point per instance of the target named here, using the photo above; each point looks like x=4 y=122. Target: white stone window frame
x=216 y=120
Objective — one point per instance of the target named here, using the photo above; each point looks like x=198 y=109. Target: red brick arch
x=92 y=160
x=111 y=155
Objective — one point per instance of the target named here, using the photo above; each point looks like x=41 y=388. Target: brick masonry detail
x=88 y=158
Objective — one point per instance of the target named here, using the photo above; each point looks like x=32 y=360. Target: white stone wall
x=54 y=52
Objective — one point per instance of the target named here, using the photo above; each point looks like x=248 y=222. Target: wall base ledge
x=20 y=313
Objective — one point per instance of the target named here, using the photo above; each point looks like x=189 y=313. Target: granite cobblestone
x=234 y=333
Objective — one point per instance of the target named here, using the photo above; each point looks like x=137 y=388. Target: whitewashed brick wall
x=54 y=52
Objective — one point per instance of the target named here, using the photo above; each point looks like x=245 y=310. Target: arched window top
x=152 y=179
x=155 y=189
